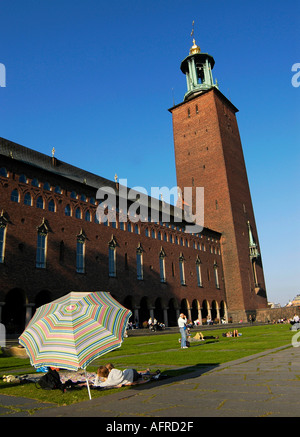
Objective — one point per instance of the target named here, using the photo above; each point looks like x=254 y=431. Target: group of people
x=184 y=332
x=154 y=325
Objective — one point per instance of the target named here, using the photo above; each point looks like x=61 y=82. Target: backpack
x=50 y=380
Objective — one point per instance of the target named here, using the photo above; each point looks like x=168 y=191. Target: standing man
x=182 y=328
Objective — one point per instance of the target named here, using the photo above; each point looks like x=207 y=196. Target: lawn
x=155 y=352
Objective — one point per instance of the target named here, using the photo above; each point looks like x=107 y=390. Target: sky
x=95 y=79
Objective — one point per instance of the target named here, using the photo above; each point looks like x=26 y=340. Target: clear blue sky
x=94 y=79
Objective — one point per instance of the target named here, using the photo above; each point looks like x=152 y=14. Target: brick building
x=53 y=240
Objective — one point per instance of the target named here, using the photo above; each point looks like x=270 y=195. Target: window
x=153 y=233
x=78 y=213
x=73 y=195
x=3 y=172
x=129 y=227
x=216 y=275
x=23 y=179
x=159 y=235
x=147 y=232
x=40 y=202
x=198 y=271
x=80 y=253
x=181 y=270
x=27 y=199
x=14 y=197
x=87 y=216
x=51 y=206
x=112 y=271
x=35 y=182
x=41 y=246
x=136 y=229
x=93 y=201
x=139 y=262
x=83 y=197
x=3 y=223
x=47 y=186
x=162 y=266
x=57 y=189
x=68 y=210
x=122 y=226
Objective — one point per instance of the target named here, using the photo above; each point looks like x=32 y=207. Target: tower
x=208 y=153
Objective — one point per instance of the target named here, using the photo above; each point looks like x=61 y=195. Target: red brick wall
x=60 y=275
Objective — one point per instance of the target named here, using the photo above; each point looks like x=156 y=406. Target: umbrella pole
x=87 y=384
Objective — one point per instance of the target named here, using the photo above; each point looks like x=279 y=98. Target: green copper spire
x=198 y=70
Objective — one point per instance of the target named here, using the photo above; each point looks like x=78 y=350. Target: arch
x=144 y=310
x=205 y=310
x=43 y=297
x=172 y=312
x=128 y=303
x=195 y=309
x=158 y=310
x=14 y=312
x=223 y=311
x=214 y=310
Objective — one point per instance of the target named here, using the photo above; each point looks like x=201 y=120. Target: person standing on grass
x=182 y=328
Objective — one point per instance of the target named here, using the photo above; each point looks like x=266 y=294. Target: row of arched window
x=130 y=227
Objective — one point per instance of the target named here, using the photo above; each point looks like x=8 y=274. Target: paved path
x=261 y=385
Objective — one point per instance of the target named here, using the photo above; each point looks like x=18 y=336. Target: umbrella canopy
x=72 y=331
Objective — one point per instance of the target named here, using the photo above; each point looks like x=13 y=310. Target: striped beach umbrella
x=73 y=330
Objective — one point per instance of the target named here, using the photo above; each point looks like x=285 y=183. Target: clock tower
x=208 y=154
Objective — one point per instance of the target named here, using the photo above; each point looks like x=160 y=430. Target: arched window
x=73 y=195
x=68 y=210
x=112 y=255
x=14 y=197
x=162 y=265
x=47 y=186
x=78 y=213
x=87 y=216
x=83 y=197
x=51 y=206
x=93 y=201
x=27 y=199
x=41 y=248
x=35 y=182
x=80 y=253
x=3 y=223
x=139 y=262
x=181 y=269
x=3 y=172
x=198 y=271
x=57 y=189
x=23 y=179
x=40 y=202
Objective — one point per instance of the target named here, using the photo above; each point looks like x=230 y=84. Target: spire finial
x=194 y=49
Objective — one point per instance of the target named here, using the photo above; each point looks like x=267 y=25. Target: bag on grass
x=50 y=380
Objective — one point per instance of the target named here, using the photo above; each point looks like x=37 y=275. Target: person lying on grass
x=108 y=376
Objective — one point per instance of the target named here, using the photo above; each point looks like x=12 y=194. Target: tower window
x=189 y=113
x=139 y=263
x=2 y=238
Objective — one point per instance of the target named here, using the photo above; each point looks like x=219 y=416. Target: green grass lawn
x=155 y=352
